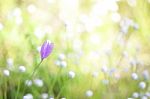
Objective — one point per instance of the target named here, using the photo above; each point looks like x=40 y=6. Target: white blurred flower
x=61 y=56
x=125 y=54
x=71 y=74
x=105 y=81
x=31 y=8
x=63 y=64
x=95 y=74
x=121 y=40
x=39 y=48
x=77 y=44
x=10 y=62
x=22 y=68
x=124 y=29
x=106 y=5
x=147 y=94
x=142 y=85
x=135 y=95
x=134 y=76
x=44 y=96
x=38 y=82
x=133 y=62
x=108 y=51
x=17 y=12
x=104 y=69
x=135 y=26
x=57 y=62
x=80 y=28
x=144 y=97
x=125 y=23
x=28 y=82
x=125 y=69
x=112 y=5
x=50 y=1
x=111 y=71
x=1 y=26
x=89 y=93
x=39 y=33
x=51 y=97
x=47 y=29
x=6 y=72
x=146 y=75
x=95 y=39
x=63 y=98
x=116 y=17
x=90 y=22
x=19 y=20
x=28 y=96
x=132 y=3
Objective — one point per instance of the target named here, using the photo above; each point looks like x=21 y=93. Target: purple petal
x=46 y=49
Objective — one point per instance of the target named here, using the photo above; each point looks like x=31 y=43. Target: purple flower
x=46 y=49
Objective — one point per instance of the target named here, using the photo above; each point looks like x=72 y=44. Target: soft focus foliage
x=101 y=49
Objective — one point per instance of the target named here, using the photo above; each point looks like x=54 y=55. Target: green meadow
x=101 y=49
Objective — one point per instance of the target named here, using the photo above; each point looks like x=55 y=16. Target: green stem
x=55 y=79
x=35 y=69
x=33 y=74
x=5 y=90
x=58 y=96
x=18 y=90
x=61 y=89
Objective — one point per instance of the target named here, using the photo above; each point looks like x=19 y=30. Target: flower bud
x=46 y=49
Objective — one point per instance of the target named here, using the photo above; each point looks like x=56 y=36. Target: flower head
x=44 y=96
x=28 y=96
x=142 y=85
x=134 y=76
x=89 y=93
x=6 y=72
x=135 y=95
x=22 y=68
x=46 y=49
x=71 y=74
x=28 y=82
x=38 y=82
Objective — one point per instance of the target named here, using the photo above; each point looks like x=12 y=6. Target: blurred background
x=101 y=49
